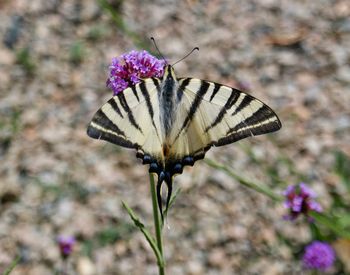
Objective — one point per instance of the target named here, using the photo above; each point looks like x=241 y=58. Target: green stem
x=145 y=232
x=250 y=184
x=157 y=223
x=12 y=266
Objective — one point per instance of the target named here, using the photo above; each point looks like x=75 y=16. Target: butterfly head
x=169 y=73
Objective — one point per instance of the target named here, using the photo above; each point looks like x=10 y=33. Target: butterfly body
x=172 y=122
x=168 y=102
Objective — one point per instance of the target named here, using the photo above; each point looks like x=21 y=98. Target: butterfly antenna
x=194 y=49
x=155 y=45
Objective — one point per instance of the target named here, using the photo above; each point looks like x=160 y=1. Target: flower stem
x=157 y=224
x=12 y=266
x=250 y=184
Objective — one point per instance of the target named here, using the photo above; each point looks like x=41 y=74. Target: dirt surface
x=54 y=180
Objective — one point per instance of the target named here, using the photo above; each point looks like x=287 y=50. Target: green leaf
x=259 y=187
x=341 y=167
x=172 y=200
x=332 y=223
x=87 y=247
x=315 y=232
x=12 y=266
x=145 y=232
x=344 y=221
x=24 y=58
x=338 y=200
x=114 y=10
x=76 y=52
x=114 y=233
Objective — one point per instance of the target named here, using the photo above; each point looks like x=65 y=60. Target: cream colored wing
x=131 y=119
x=211 y=114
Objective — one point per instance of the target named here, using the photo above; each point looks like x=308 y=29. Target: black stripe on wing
x=133 y=88
x=102 y=120
x=183 y=85
x=258 y=118
x=215 y=91
x=101 y=127
x=263 y=121
x=129 y=112
x=145 y=94
x=244 y=103
x=115 y=107
x=156 y=82
x=195 y=104
x=230 y=102
x=113 y=138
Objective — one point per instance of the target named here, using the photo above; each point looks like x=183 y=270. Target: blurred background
x=54 y=180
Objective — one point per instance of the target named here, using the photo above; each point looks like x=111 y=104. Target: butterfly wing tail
x=169 y=184
x=159 y=195
x=164 y=177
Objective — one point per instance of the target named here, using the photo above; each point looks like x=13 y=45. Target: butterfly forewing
x=131 y=119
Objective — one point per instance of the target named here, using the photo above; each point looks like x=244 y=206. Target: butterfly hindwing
x=131 y=119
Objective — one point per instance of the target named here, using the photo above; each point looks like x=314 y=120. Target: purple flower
x=129 y=68
x=300 y=199
x=318 y=255
x=66 y=245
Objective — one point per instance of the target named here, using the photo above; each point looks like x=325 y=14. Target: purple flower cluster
x=318 y=255
x=66 y=245
x=300 y=199
x=129 y=68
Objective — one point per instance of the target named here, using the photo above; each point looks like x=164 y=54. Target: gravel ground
x=54 y=56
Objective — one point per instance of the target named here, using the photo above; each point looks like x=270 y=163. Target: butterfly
x=172 y=122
